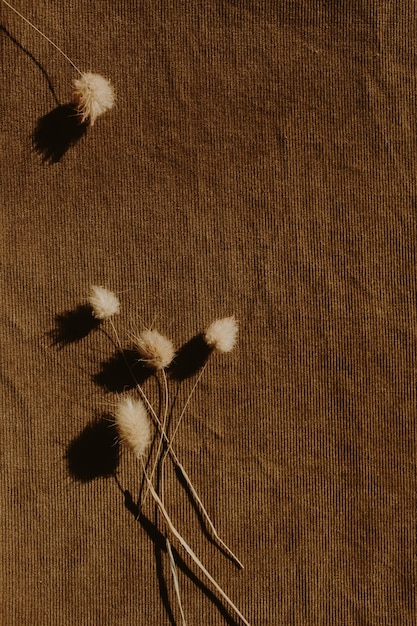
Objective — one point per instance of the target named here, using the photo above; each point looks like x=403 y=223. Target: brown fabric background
x=260 y=162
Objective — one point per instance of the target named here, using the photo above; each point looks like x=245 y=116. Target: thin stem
x=188 y=479
x=190 y=552
x=185 y=408
x=44 y=36
x=161 y=440
x=116 y=334
x=207 y=517
x=164 y=430
x=175 y=579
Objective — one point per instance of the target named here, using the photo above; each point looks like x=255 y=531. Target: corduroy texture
x=259 y=163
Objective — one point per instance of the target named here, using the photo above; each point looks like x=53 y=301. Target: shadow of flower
x=57 y=131
x=190 y=358
x=94 y=453
x=122 y=372
x=73 y=325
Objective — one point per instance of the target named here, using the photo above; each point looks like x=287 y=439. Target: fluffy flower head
x=133 y=424
x=103 y=302
x=156 y=350
x=222 y=334
x=93 y=95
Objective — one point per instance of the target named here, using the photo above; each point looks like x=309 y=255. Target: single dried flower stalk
x=93 y=95
x=133 y=425
x=222 y=334
x=156 y=350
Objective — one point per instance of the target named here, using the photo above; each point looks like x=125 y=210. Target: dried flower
x=93 y=95
x=133 y=424
x=156 y=350
x=103 y=302
x=222 y=334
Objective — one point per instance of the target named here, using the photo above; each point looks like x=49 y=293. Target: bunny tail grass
x=104 y=303
x=133 y=424
x=44 y=36
x=92 y=96
x=156 y=350
x=221 y=335
x=171 y=450
x=190 y=552
x=175 y=579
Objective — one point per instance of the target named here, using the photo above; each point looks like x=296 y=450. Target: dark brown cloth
x=260 y=162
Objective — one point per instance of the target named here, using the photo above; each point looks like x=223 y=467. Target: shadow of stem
x=36 y=62
x=159 y=541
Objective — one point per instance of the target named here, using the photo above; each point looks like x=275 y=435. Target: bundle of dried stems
x=133 y=414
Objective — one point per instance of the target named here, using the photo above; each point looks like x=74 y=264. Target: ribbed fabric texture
x=259 y=163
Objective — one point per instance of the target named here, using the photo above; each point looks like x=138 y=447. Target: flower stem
x=175 y=579
x=44 y=36
x=189 y=551
x=183 y=410
x=163 y=437
x=169 y=450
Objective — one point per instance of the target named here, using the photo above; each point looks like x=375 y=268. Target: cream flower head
x=222 y=334
x=103 y=302
x=93 y=95
x=132 y=423
x=156 y=350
